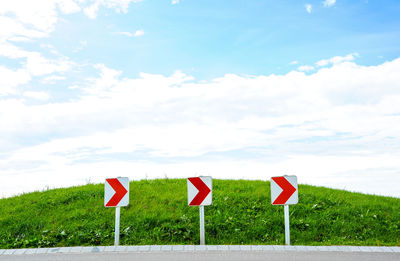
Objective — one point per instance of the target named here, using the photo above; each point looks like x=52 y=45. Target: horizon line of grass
x=89 y=182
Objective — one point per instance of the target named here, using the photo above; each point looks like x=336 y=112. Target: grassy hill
x=158 y=214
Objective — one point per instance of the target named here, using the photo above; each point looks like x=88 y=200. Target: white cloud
x=42 y=96
x=32 y=19
x=174 y=2
x=81 y=46
x=118 y=5
x=129 y=34
x=14 y=30
x=333 y=127
x=108 y=79
x=337 y=60
x=294 y=62
x=308 y=8
x=329 y=3
x=68 y=6
x=25 y=20
x=73 y=87
x=305 y=68
x=139 y=33
x=91 y=11
x=10 y=79
x=37 y=19
x=331 y=61
x=35 y=64
x=53 y=79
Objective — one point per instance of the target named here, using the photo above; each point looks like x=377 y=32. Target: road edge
x=191 y=248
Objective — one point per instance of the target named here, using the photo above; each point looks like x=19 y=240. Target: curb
x=196 y=248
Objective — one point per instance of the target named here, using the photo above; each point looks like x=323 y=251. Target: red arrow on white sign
x=284 y=190
x=199 y=191
x=116 y=192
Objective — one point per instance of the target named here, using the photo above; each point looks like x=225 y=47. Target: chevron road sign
x=199 y=190
x=116 y=194
x=284 y=192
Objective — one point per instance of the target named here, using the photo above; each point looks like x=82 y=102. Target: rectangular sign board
x=284 y=190
x=116 y=192
x=199 y=191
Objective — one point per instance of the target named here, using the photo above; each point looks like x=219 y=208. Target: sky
x=93 y=89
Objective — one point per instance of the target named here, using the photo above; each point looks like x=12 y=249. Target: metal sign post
x=202 y=233
x=117 y=216
x=287 y=225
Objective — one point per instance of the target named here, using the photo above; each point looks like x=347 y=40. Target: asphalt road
x=210 y=256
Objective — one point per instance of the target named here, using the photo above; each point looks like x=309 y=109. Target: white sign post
x=287 y=225
x=116 y=194
x=200 y=194
x=284 y=191
x=202 y=232
x=117 y=219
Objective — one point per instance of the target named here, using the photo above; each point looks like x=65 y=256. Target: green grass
x=158 y=213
